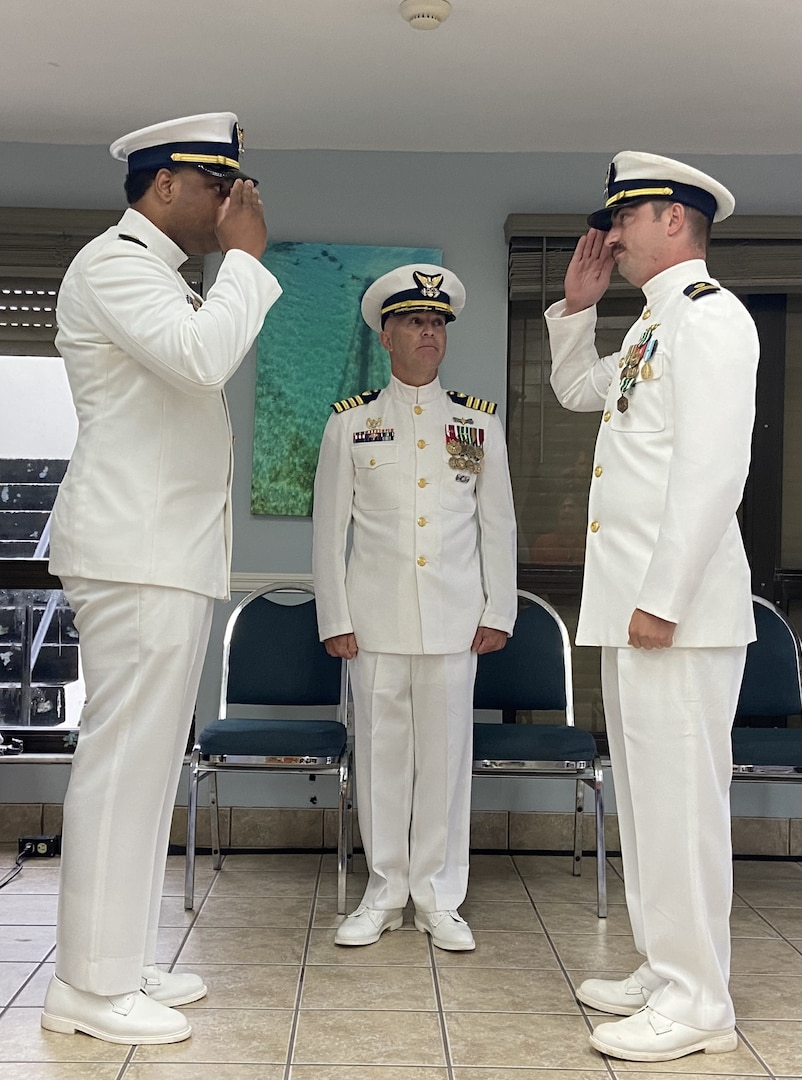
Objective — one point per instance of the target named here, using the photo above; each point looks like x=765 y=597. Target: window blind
x=36 y=247
x=747 y=254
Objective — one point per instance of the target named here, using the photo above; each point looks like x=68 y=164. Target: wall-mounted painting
x=314 y=349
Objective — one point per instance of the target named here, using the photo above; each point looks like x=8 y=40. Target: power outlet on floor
x=40 y=847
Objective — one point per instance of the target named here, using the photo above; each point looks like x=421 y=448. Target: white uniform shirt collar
x=415 y=394
x=136 y=224
x=666 y=281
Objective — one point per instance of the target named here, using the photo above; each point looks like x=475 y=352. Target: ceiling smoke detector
x=424 y=14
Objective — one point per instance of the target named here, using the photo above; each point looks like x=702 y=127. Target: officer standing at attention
x=141 y=540
x=421 y=474
x=667 y=586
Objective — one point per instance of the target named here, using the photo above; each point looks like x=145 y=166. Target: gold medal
x=646 y=371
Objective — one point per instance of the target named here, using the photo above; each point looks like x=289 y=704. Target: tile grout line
x=441 y=1016
x=770 y=1072
x=196 y=912
x=610 y=1071
x=39 y=963
x=296 y=1012
x=129 y=1058
x=767 y=921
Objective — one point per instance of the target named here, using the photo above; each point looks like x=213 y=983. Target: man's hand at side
x=343 y=645
x=486 y=639
x=650 y=632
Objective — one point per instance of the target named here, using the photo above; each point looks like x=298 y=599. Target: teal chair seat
x=534 y=742
x=235 y=737
x=776 y=747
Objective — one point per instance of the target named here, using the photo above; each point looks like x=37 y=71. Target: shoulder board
x=132 y=239
x=701 y=288
x=353 y=402
x=471 y=402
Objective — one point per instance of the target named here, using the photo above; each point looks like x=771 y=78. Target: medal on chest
x=465 y=447
x=635 y=362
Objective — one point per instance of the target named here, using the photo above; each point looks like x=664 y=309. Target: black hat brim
x=226 y=173
x=601 y=219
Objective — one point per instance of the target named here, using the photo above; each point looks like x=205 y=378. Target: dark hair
x=137 y=183
x=698 y=224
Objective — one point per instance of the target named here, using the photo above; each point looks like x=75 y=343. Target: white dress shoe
x=172 y=987
x=366 y=925
x=119 y=1018
x=624 y=997
x=447 y=928
x=648 y=1036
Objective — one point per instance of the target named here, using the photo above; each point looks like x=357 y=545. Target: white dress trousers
x=413 y=717
x=672 y=762
x=142 y=649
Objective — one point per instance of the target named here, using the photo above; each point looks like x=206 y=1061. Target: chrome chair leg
x=601 y=846
x=342 y=836
x=192 y=823
x=350 y=809
x=214 y=815
x=579 y=806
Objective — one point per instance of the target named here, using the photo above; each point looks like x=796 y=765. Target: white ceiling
x=694 y=76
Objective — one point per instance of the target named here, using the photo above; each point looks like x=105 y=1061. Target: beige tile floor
x=285 y=1003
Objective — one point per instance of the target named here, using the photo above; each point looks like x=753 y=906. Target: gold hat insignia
x=429 y=284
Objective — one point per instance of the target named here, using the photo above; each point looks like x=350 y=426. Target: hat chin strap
x=639 y=193
x=206 y=159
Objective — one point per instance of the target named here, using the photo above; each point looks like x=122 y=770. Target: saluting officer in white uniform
x=667 y=586
x=142 y=542
x=430 y=582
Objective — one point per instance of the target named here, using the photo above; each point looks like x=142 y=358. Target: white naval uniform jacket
x=669 y=473
x=433 y=553
x=146 y=497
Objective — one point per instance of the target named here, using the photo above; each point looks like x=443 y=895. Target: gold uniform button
x=373 y=461
x=594 y=526
x=421 y=522
x=607 y=416
x=598 y=470
x=647 y=314
x=422 y=482
x=421 y=443
x=417 y=410
x=421 y=561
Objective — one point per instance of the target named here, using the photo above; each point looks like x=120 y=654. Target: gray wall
x=457 y=202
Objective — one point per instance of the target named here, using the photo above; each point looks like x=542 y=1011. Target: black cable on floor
x=26 y=853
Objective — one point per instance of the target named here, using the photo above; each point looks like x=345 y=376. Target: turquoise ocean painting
x=314 y=349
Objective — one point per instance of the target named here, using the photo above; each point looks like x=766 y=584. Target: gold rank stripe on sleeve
x=356 y=400
x=470 y=402
x=701 y=288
